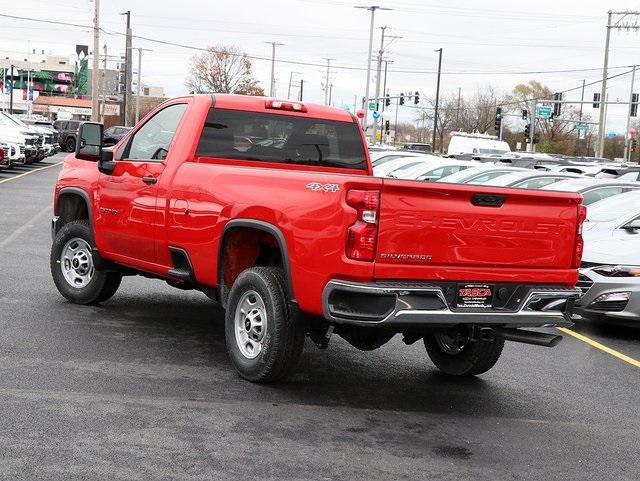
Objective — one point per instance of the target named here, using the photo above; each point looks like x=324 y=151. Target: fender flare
x=266 y=227
x=81 y=193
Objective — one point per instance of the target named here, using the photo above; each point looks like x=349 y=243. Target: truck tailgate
x=464 y=232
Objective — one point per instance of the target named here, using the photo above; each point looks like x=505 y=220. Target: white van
x=478 y=144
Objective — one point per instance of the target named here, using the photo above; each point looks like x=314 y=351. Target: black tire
x=70 y=144
x=281 y=342
x=101 y=286
x=475 y=357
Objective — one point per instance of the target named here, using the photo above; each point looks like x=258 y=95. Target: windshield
x=615 y=207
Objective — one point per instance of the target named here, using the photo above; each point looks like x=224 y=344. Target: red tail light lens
x=362 y=236
x=579 y=248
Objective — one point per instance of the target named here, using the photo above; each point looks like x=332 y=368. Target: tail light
x=362 y=235
x=1 y=153
x=579 y=248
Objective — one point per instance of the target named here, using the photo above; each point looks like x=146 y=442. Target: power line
x=316 y=64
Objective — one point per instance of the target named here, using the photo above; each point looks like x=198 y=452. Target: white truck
x=477 y=144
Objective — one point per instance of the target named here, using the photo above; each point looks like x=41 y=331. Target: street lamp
x=372 y=9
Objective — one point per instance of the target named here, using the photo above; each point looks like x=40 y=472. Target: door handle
x=149 y=180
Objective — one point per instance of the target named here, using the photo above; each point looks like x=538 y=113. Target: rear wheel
x=455 y=352
x=71 y=144
x=72 y=268
x=262 y=341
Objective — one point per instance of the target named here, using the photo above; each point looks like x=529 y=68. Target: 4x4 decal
x=316 y=187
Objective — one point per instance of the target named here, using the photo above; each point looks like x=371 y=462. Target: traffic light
x=557 y=107
x=551 y=119
x=634 y=144
x=387 y=101
x=596 y=101
x=634 y=105
x=386 y=126
x=527 y=133
x=416 y=99
x=525 y=114
x=402 y=99
x=536 y=138
x=498 y=121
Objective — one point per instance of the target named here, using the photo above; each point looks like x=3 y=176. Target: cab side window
x=153 y=140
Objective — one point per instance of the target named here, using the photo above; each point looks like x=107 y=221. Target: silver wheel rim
x=250 y=324
x=76 y=263
x=451 y=344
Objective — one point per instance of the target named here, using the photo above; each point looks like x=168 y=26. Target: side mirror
x=89 y=144
x=632 y=226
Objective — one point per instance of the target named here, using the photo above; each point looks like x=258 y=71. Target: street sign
x=376 y=115
x=544 y=111
x=581 y=126
x=372 y=105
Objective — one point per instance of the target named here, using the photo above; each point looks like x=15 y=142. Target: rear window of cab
x=281 y=138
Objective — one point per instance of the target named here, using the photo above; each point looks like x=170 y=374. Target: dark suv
x=68 y=133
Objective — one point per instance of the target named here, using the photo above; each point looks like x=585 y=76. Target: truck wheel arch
x=73 y=204
x=262 y=226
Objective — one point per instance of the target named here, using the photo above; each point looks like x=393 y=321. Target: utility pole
x=140 y=50
x=327 y=95
x=395 y=124
x=458 y=110
x=384 y=87
x=372 y=9
x=126 y=99
x=290 y=82
x=95 y=69
x=104 y=83
x=620 y=24
x=11 y=91
x=435 y=114
x=580 y=119
x=330 y=92
x=301 y=89
x=378 y=75
x=272 y=86
x=627 y=140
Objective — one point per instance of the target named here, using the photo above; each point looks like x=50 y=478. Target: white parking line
x=30 y=172
x=30 y=223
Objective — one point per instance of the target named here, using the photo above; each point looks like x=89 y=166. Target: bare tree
x=222 y=69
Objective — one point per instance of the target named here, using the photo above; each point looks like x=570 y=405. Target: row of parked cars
x=25 y=141
x=610 y=274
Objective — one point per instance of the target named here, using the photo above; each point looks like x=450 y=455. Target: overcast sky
x=484 y=42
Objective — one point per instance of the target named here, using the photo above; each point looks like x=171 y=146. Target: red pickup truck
x=270 y=208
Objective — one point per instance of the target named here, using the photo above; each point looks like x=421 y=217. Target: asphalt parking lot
x=141 y=388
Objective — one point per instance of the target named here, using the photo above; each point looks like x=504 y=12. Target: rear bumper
x=418 y=305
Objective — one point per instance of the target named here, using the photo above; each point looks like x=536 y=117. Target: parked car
x=114 y=134
x=25 y=141
x=615 y=217
x=433 y=170
x=610 y=281
x=480 y=174
x=404 y=161
x=44 y=137
x=593 y=190
x=68 y=131
x=530 y=179
x=296 y=238
x=5 y=157
x=416 y=147
x=382 y=157
x=620 y=173
x=49 y=130
x=477 y=144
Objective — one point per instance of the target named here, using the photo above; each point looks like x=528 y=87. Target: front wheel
x=72 y=267
x=71 y=144
x=262 y=341
x=455 y=352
